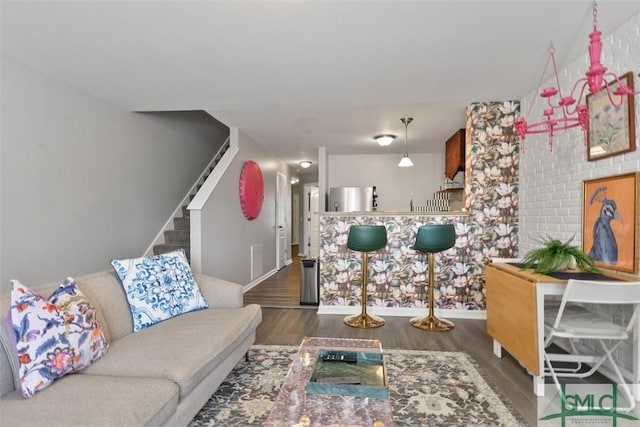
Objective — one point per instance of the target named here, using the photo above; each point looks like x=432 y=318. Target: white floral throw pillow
x=54 y=336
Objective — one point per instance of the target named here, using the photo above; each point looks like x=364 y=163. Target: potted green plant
x=558 y=256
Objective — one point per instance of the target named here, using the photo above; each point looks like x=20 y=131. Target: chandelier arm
x=556 y=107
x=550 y=104
x=611 y=98
x=621 y=84
x=583 y=85
x=557 y=124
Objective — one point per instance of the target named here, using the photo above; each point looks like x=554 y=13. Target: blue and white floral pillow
x=158 y=287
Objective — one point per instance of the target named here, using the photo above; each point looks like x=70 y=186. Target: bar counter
x=397 y=273
x=393 y=213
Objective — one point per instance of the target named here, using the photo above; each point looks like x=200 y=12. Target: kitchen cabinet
x=455 y=155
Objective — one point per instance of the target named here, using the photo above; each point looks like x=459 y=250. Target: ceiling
x=296 y=75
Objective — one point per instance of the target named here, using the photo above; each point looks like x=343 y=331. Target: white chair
x=576 y=322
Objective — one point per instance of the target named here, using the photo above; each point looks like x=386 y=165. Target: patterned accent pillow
x=54 y=336
x=158 y=287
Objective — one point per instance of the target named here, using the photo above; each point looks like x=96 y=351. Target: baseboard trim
x=256 y=282
x=264 y=277
x=403 y=312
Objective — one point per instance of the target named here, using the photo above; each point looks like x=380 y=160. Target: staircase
x=180 y=236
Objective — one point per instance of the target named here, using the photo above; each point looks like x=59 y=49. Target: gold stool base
x=432 y=323
x=363 y=320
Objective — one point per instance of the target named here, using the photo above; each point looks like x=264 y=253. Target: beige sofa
x=161 y=375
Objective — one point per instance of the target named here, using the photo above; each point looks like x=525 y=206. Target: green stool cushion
x=435 y=238
x=366 y=238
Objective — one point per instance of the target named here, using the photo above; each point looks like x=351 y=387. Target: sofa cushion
x=8 y=361
x=184 y=350
x=88 y=400
x=158 y=287
x=106 y=288
x=53 y=336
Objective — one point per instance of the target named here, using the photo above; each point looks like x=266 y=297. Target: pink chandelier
x=567 y=112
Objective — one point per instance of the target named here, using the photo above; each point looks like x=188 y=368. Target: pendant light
x=405 y=162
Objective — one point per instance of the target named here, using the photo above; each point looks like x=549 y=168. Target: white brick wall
x=551 y=182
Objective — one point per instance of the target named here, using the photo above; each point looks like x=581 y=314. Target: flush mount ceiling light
x=405 y=162
x=305 y=164
x=572 y=112
x=385 y=139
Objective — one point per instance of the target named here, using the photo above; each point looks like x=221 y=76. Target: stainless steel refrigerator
x=352 y=199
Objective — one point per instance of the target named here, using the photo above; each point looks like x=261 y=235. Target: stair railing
x=206 y=173
x=199 y=201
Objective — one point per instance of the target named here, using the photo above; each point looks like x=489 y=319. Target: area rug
x=427 y=388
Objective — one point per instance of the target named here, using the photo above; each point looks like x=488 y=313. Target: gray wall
x=83 y=181
x=227 y=236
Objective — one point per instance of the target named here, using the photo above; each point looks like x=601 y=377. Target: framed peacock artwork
x=610 y=221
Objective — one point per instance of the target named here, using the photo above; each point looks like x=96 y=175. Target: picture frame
x=611 y=130
x=610 y=221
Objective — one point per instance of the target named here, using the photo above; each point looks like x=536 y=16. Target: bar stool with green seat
x=431 y=239
x=365 y=238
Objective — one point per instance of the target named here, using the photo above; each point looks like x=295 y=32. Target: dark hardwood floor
x=287 y=326
x=280 y=290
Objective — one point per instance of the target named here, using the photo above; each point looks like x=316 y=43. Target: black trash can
x=309 y=278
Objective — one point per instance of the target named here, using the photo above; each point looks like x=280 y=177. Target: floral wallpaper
x=489 y=228
x=492 y=178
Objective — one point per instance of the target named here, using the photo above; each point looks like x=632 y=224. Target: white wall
x=396 y=186
x=551 y=182
x=227 y=236
x=83 y=181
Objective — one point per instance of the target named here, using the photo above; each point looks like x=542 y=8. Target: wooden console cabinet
x=511 y=313
x=515 y=315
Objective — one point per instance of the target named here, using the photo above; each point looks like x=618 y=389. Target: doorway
x=283 y=212
x=310 y=238
x=295 y=215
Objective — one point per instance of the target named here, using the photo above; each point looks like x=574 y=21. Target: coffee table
x=295 y=407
